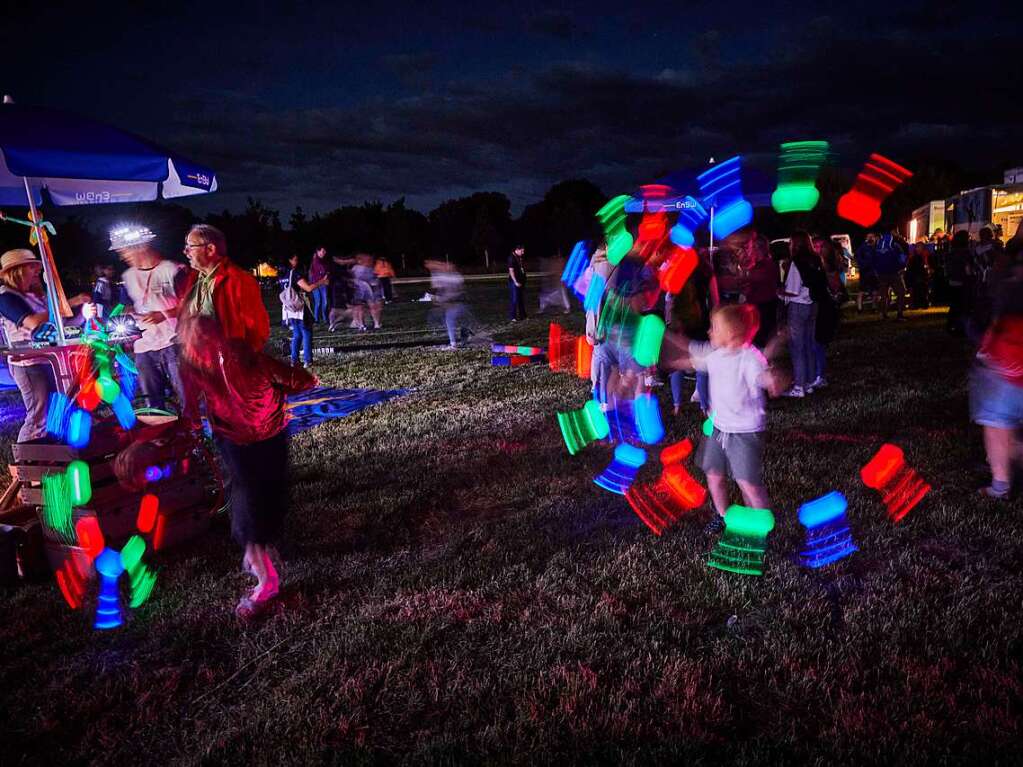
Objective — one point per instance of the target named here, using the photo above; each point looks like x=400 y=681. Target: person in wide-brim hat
x=23 y=308
x=18 y=257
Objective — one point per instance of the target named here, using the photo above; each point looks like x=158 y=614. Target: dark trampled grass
x=458 y=590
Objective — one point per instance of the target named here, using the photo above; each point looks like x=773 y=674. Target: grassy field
x=458 y=590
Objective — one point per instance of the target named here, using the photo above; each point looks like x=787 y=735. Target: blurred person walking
x=448 y=288
x=385 y=273
x=989 y=267
x=342 y=292
x=368 y=292
x=828 y=296
x=552 y=289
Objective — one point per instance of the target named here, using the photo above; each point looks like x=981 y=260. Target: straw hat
x=17 y=257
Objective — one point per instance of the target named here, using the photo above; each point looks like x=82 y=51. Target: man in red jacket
x=223 y=326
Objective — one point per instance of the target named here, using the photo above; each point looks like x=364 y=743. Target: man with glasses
x=217 y=287
x=223 y=326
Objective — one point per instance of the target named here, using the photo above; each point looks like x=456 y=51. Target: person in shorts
x=739 y=376
x=996 y=382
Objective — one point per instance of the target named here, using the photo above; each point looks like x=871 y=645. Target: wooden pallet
x=186 y=500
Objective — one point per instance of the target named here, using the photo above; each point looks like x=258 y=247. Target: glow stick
x=612 y=218
x=878 y=179
x=621 y=472
x=828 y=538
x=721 y=189
x=743 y=543
x=798 y=166
x=581 y=427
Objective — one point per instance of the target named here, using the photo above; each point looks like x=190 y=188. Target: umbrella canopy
x=84 y=162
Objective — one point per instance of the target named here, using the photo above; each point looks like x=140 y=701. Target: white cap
x=125 y=236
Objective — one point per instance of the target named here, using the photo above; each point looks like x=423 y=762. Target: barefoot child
x=739 y=374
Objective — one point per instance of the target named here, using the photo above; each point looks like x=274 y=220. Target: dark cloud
x=412 y=69
x=441 y=102
x=551 y=23
x=576 y=119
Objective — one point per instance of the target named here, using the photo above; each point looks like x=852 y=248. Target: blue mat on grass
x=316 y=406
x=308 y=409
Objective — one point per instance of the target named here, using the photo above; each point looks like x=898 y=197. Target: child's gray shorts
x=740 y=455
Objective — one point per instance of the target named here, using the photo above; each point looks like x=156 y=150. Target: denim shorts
x=740 y=455
x=994 y=401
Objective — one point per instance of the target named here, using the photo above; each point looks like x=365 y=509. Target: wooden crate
x=106 y=440
x=187 y=500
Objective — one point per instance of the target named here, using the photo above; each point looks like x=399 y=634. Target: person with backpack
x=297 y=312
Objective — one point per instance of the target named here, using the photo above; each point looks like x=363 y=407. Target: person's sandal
x=994 y=495
x=252 y=606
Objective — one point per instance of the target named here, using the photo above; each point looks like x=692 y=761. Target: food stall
x=77 y=487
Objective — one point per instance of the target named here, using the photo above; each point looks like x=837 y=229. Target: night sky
x=312 y=105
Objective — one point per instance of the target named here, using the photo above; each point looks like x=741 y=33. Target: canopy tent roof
x=83 y=162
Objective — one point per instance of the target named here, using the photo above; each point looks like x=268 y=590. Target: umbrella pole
x=51 y=291
x=712 y=231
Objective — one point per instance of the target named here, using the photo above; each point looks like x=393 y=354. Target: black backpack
x=816 y=282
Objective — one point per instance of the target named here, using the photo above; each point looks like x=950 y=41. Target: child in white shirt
x=739 y=375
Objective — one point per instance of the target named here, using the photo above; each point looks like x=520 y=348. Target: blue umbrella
x=83 y=162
